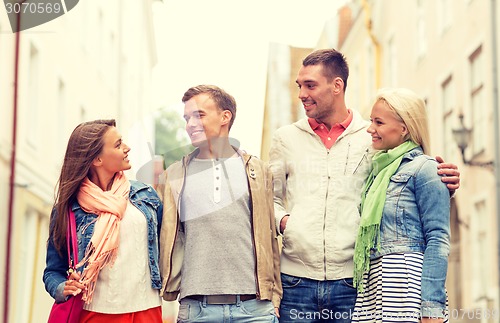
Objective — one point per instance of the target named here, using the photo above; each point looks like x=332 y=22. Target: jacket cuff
x=432 y=310
x=276 y=300
x=170 y=296
x=59 y=297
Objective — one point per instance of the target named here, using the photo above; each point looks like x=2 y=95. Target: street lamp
x=462 y=137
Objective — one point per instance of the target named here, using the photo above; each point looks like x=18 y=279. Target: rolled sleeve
x=432 y=310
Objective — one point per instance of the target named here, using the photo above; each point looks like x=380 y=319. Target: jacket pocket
x=288 y=281
x=398 y=183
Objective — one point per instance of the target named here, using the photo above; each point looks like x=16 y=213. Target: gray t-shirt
x=215 y=215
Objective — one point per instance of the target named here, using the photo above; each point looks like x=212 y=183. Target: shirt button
x=329 y=138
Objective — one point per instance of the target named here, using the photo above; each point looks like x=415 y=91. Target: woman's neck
x=104 y=181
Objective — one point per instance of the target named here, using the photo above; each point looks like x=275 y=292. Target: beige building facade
x=282 y=105
x=442 y=49
x=94 y=62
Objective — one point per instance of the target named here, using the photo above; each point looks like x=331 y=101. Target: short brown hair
x=334 y=64
x=222 y=99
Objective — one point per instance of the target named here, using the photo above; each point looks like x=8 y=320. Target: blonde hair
x=410 y=108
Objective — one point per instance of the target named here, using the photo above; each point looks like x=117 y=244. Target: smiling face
x=204 y=120
x=114 y=155
x=316 y=92
x=387 y=129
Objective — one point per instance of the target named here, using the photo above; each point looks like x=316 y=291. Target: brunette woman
x=117 y=224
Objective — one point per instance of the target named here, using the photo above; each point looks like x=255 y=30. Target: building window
x=421 y=30
x=27 y=255
x=33 y=97
x=354 y=84
x=477 y=106
x=370 y=65
x=447 y=108
x=61 y=116
x=83 y=114
x=444 y=12
x=479 y=251
x=392 y=63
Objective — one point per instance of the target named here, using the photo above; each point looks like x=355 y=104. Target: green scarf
x=385 y=164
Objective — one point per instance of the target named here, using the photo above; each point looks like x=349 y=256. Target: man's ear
x=226 y=117
x=338 y=85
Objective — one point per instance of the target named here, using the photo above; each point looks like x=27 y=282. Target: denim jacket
x=416 y=218
x=142 y=196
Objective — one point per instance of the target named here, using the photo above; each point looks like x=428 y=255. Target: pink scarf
x=110 y=207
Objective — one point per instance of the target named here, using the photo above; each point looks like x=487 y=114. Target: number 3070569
x=32 y=7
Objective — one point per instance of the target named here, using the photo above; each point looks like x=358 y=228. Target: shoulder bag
x=69 y=311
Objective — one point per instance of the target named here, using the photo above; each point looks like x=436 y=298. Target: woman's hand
x=73 y=286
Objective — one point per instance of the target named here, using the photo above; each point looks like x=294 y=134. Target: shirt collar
x=344 y=124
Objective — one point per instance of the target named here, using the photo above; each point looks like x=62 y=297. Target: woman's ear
x=404 y=132
x=97 y=162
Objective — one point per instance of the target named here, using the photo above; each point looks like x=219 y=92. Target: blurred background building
x=95 y=62
x=446 y=51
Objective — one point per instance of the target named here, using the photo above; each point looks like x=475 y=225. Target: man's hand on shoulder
x=451 y=174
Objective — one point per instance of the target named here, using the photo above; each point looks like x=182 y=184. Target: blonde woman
x=403 y=242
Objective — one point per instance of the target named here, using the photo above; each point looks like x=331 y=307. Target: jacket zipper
x=324 y=214
x=365 y=156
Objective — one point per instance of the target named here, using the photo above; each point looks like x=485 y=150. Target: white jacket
x=320 y=189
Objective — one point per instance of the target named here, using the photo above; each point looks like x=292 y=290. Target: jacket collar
x=414 y=153
x=357 y=124
x=136 y=186
x=189 y=157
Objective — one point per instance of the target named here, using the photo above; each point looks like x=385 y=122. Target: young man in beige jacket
x=218 y=245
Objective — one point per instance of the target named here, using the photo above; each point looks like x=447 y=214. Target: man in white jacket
x=319 y=166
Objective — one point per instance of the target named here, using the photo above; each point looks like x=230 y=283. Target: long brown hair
x=84 y=145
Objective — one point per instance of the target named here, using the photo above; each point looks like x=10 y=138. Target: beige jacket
x=321 y=191
x=265 y=236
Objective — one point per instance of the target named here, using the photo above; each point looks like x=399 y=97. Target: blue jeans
x=248 y=311
x=308 y=300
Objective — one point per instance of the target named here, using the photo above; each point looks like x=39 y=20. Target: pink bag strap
x=71 y=240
